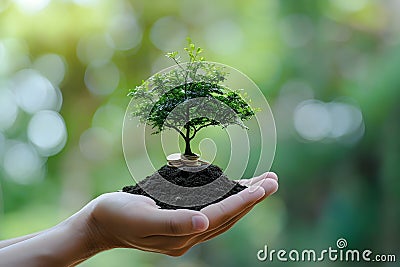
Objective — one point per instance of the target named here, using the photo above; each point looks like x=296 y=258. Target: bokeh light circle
x=239 y=152
x=34 y=92
x=47 y=132
x=167 y=33
x=8 y=108
x=102 y=79
x=22 y=163
x=339 y=120
x=52 y=66
x=124 y=32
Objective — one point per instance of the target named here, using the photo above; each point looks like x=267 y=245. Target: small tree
x=189 y=97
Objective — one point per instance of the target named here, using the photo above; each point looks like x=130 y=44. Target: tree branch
x=194 y=132
x=177 y=129
x=198 y=129
x=178 y=63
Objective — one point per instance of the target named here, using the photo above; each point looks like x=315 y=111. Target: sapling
x=189 y=98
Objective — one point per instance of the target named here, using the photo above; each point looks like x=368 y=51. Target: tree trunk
x=188 y=150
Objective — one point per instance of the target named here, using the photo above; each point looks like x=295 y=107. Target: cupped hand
x=133 y=221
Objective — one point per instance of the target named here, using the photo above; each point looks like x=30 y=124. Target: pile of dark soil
x=206 y=186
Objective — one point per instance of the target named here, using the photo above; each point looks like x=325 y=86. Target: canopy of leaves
x=189 y=96
x=202 y=105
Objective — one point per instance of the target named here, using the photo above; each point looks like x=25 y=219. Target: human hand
x=133 y=221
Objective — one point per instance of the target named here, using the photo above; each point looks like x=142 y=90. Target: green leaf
x=174 y=92
x=172 y=54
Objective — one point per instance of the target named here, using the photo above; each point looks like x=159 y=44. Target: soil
x=201 y=187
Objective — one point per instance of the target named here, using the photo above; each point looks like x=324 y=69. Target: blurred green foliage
x=319 y=63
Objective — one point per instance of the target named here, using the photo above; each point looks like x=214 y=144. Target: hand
x=133 y=221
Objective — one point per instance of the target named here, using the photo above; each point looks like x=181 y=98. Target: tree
x=189 y=97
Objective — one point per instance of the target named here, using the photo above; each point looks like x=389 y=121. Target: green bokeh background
x=330 y=51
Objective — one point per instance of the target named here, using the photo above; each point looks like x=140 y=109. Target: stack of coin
x=174 y=160
x=190 y=160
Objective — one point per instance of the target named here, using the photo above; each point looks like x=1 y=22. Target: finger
x=254 y=180
x=173 y=222
x=235 y=207
x=182 y=243
x=228 y=225
x=272 y=175
x=224 y=210
x=266 y=175
x=202 y=237
x=224 y=228
x=269 y=186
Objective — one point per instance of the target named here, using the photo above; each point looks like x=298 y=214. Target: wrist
x=72 y=242
x=88 y=233
x=96 y=236
x=77 y=240
x=65 y=244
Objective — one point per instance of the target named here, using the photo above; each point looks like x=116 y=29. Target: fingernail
x=255 y=186
x=199 y=223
